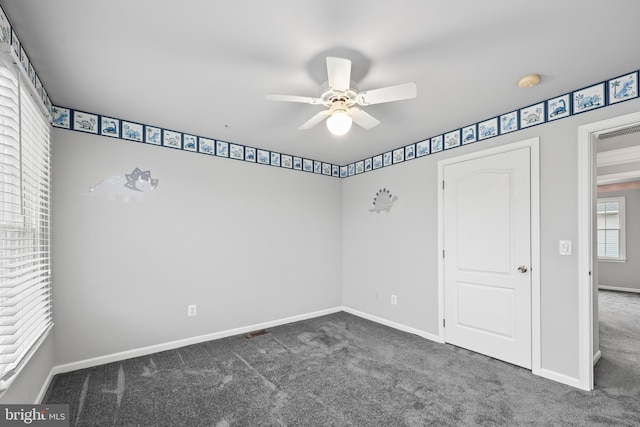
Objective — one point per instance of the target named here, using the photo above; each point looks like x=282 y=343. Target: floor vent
x=255 y=333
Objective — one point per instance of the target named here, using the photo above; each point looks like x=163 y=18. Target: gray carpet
x=341 y=370
x=619 y=341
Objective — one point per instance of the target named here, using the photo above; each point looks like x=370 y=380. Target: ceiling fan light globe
x=339 y=123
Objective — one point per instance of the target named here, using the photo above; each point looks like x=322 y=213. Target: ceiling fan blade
x=388 y=94
x=292 y=98
x=339 y=73
x=363 y=118
x=315 y=120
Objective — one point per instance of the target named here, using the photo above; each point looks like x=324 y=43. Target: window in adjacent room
x=611 y=229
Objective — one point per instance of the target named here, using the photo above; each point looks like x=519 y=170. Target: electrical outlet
x=191 y=310
x=394 y=299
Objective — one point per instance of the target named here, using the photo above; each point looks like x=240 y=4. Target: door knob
x=523 y=269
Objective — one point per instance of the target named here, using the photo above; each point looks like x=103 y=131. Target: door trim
x=534 y=146
x=586 y=256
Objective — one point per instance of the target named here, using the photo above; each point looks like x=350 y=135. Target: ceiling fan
x=341 y=98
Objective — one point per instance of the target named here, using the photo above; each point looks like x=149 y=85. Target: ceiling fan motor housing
x=339 y=104
x=328 y=96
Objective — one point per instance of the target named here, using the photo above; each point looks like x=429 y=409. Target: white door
x=487 y=244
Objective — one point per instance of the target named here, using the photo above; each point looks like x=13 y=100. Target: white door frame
x=533 y=144
x=586 y=183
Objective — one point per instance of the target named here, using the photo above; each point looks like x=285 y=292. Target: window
x=611 y=229
x=25 y=272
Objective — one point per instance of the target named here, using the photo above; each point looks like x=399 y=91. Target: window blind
x=25 y=272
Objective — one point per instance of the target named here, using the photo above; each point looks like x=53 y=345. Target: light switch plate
x=565 y=247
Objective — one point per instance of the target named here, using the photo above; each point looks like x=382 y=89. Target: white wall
x=389 y=253
x=625 y=275
x=247 y=243
x=396 y=252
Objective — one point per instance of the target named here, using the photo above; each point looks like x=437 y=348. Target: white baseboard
x=394 y=325
x=44 y=387
x=545 y=373
x=128 y=354
x=561 y=378
x=618 y=288
x=116 y=357
x=597 y=357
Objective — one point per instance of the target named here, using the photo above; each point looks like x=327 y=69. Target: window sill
x=612 y=260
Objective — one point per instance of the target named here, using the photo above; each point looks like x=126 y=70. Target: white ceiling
x=203 y=67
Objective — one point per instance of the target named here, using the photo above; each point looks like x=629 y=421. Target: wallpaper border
x=599 y=95
x=595 y=96
x=81 y=121
x=10 y=43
